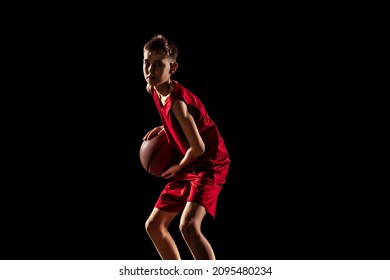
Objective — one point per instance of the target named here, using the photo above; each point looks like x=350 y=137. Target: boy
x=196 y=181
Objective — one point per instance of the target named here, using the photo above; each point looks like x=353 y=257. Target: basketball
x=156 y=154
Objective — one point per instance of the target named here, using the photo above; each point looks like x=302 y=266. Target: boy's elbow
x=200 y=150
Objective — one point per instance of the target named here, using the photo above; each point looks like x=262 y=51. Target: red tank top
x=216 y=154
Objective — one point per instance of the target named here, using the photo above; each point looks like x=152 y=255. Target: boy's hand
x=153 y=132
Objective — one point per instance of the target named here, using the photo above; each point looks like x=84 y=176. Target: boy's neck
x=165 y=89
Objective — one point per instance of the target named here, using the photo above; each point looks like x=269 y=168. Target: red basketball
x=156 y=154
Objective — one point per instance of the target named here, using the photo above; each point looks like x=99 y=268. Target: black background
x=78 y=109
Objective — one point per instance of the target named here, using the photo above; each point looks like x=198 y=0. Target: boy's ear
x=174 y=67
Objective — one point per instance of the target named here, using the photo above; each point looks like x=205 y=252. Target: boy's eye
x=148 y=64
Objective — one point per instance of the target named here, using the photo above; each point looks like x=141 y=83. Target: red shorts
x=202 y=188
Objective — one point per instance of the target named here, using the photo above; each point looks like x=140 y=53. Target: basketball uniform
x=203 y=179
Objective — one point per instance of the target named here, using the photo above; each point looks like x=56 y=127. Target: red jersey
x=202 y=180
x=215 y=155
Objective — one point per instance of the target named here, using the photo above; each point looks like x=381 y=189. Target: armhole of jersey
x=191 y=109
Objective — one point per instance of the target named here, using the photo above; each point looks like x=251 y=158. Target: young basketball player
x=195 y=182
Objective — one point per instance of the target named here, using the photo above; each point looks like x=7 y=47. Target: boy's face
x=157 y=68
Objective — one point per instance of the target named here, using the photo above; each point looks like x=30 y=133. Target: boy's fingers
x=154 y=131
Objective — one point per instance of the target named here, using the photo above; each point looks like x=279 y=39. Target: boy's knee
x=148 y=225
x=187 y=228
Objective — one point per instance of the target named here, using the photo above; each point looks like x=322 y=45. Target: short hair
x=159 y=43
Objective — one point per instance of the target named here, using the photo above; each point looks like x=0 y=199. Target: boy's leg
x=157 y=228
x=190 y=227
